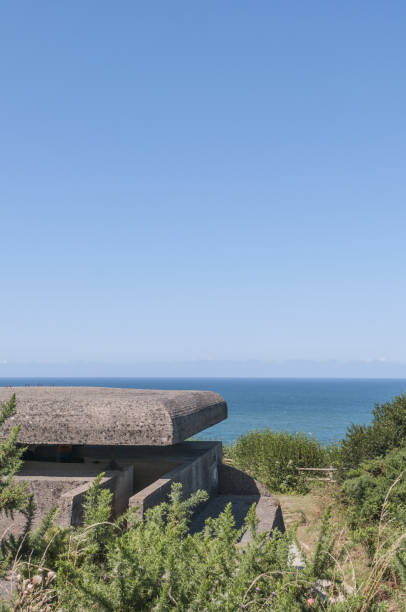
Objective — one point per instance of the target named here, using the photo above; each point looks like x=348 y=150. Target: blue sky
x=186 y=181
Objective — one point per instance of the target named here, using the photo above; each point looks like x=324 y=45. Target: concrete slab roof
x=101 y=415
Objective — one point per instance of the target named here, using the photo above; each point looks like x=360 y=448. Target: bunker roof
x=104 y=415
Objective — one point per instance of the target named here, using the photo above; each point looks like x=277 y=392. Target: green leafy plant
x=156 y=564
x=14 y=496
x=366 y=487
x=386 y=432
x=273 y=458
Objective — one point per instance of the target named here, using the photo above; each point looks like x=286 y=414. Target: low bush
x=366 y=488
x=375 y=496
x=156 y=565
x=387 y=431
x=14 y=496
x=273 y=457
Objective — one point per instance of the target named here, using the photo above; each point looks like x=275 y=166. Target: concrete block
x=100 y=415
x=63 y=485
x=198 y=471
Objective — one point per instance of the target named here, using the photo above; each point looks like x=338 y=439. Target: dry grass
x=305 y=513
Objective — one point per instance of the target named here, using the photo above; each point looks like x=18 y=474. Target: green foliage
x=373 y=472
x=366 y=488
x=273 y=457
x=322 y=557
x=155 y=564
x=12 y=496
x=387 y=431
x=399 y=567
x=375 y=495
x=97 y=526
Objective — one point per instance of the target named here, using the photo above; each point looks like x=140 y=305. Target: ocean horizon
x=319 y=407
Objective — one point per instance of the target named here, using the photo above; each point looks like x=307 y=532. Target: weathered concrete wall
x=269 y=514
x=63 y=485
x=120 y=483
x=101 y=415
x=198 y=471
x=150 y=463
x=194 y=464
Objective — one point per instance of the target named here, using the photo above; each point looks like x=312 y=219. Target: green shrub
x=13 y=496
x=273 y=457
x=375 y=494
x=366 y=488
x=155 y=564
x=387 y=431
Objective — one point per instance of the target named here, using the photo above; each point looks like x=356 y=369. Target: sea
x=323 y=408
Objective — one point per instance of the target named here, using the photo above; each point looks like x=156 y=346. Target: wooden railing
x=330 y=471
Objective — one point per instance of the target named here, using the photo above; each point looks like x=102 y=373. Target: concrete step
x=269 y=513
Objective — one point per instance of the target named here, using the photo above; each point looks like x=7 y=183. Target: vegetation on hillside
x=155 y=564
x=366 y=488
x=13 y=496
x=274 y=456
x=386 y=432
x=371 y=474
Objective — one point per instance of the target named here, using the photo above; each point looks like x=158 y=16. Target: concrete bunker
x=137 y=437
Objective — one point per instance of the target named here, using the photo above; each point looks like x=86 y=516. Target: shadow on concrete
x=235 y=482
x=241 y=491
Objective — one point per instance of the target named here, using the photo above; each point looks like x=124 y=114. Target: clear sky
x=202 y=180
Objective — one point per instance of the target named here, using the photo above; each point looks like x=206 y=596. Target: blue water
x=320 y=407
